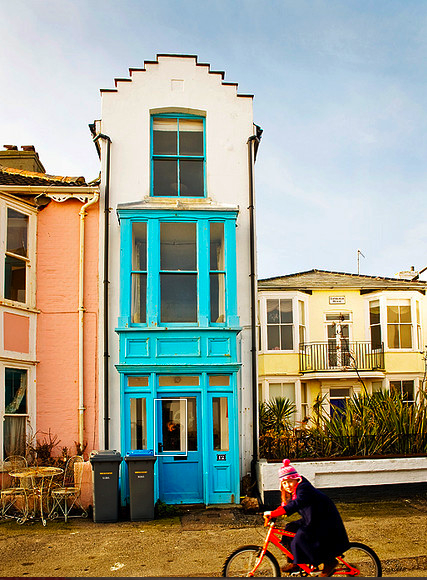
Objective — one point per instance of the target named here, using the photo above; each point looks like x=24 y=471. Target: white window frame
x=295 y=297
x=31 y=397
x=30 y=285
x=404 y=377
x=388 y=298
x=264 y=392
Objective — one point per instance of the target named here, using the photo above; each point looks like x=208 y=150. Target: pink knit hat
x=288 y=471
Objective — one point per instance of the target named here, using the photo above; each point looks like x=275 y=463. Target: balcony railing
x=340 y=356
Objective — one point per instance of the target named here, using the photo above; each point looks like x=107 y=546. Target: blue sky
x=340 y=92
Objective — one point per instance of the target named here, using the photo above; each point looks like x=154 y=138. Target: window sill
x=393 y=350
x=278 y=352
x=143 y=328
x=18 y=306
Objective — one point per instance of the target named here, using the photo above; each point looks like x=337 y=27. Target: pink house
x=49 y=313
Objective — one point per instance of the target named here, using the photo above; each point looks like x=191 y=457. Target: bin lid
x=139 y=453
x=105 y=455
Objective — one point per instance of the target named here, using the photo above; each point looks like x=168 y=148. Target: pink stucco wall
x=16 y=332
x=58 y=327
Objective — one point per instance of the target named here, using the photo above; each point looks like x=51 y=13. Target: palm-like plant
x=276 y=415
x=381 y=423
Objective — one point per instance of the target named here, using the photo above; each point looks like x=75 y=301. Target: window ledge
x=177 y=328
x=393 y=350
x=18 y=306
x=183 y=203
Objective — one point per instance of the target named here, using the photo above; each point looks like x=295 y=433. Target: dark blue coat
x=321 y=533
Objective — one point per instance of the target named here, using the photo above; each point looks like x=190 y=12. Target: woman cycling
x=320 y=534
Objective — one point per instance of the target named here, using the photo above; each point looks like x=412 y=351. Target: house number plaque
x=220 y=457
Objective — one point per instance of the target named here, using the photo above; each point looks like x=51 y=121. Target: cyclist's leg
x=286 y=540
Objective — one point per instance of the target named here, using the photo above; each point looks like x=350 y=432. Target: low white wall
x=347 y=473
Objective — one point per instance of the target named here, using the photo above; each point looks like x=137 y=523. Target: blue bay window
x=177 y=155
x=178 y=269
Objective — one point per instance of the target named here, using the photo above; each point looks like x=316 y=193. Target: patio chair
x=13 y=494
x=66 y=497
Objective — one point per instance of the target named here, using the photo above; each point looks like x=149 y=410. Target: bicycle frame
x=274 y=535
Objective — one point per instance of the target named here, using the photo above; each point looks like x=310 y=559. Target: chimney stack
x=27 y=159
x=407 y=274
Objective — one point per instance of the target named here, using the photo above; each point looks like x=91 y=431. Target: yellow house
x=333 y=334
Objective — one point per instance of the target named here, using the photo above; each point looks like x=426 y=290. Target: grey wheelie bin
x=141 y=484
x=105 y=466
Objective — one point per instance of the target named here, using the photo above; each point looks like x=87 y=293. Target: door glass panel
x=191 y=424
x=168 y=381
x=219 y=381
x=138 y=422
x=220 y=424
x=173 y=421
x=137 y=381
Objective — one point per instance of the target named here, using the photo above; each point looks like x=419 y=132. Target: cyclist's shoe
x=290 y=568
x=329 y=567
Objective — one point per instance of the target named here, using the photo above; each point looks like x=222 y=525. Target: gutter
x=106 y=283
x=253 y=144
x=82 y=214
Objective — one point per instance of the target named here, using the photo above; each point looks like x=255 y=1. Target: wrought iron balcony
x=339 y=356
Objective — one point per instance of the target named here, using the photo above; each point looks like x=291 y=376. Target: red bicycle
x=358 y=560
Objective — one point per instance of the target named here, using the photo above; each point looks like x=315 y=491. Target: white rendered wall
x=347 y=473
x=177 y=84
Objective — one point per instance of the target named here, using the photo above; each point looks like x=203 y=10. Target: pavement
x=194 y=541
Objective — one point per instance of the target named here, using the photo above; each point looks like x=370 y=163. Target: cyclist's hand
x=267 y=517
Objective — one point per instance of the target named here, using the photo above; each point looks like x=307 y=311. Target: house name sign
x=336 y=299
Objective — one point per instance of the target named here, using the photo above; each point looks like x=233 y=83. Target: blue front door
x=178 y=445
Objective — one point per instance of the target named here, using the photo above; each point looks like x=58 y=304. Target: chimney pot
x=11 y=147
x=28 y=148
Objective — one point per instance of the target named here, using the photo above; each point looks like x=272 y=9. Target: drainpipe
x=253 y=144
x=82 y=214
x=106 y=283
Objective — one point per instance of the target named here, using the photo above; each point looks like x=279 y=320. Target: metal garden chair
x=67 y=496
x=13 y=495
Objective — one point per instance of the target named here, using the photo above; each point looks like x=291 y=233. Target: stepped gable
x=325 y=279
x=154 y=62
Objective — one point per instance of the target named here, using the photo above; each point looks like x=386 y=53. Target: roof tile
x=12 y=176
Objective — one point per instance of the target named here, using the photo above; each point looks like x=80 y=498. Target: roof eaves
x=355 y=276
x=42 y=176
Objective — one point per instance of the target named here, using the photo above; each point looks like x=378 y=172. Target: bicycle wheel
x=359 y=560
x=242 y=561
